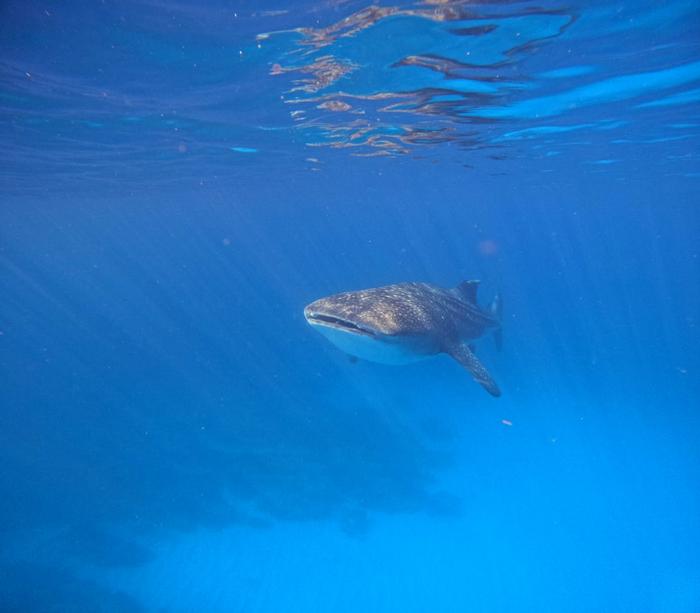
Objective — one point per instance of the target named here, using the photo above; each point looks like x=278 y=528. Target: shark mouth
x=330 y=321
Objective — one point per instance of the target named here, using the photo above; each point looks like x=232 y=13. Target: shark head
x=341 y=314
x=363 y=326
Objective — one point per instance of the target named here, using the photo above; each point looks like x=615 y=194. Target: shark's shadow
x=131 y=473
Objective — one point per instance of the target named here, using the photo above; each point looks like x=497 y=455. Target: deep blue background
x=173 y=436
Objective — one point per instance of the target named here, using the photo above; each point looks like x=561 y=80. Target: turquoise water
x=179 y=179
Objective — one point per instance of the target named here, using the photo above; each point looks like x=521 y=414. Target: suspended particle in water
x=488 y=247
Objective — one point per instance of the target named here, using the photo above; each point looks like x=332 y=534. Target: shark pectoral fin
x=466 y=358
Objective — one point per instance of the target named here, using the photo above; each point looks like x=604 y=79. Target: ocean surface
x=179 y=178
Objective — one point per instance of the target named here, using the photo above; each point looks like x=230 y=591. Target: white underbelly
x=392 y=351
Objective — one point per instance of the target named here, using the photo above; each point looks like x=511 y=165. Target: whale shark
x=405 y=322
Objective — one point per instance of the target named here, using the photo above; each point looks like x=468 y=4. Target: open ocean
x=180 y=178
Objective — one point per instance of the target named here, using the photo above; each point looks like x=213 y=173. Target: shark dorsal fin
x=467 y=290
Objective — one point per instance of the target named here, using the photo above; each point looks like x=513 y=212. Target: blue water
x=178 y=179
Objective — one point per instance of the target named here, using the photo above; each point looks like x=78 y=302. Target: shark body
x=405 y=322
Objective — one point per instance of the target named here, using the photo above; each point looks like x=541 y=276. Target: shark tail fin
x=496 y=310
